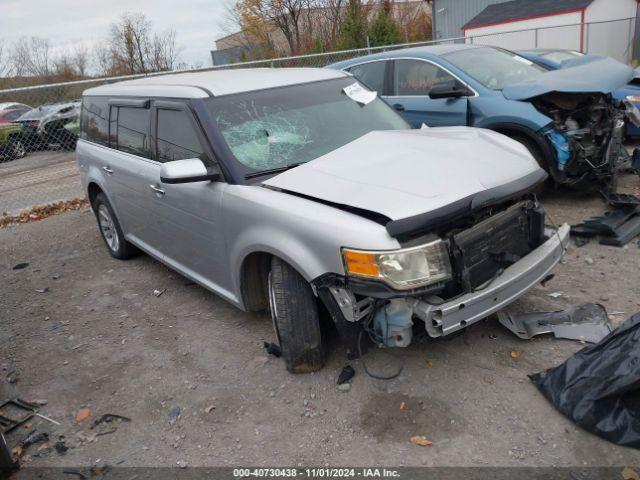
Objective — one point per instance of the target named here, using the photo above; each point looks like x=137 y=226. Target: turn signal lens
x=361 y=263
x=634 y=98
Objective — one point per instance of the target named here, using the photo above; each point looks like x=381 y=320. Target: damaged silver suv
x=301 y=192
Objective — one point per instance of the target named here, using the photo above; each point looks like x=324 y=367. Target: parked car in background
x=298 y=190
x=10 y=111
x=554 y=59
x=565 y=118
x=45 y=126
x=11 y=142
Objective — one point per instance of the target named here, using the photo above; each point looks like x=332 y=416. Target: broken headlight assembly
x=402 y=269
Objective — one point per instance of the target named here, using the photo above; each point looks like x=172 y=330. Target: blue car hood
x=592 y=74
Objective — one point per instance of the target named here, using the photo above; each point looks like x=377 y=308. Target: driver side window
x=417 y=78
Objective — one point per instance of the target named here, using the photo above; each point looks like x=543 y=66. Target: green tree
x=384 y=30
x=353 y=31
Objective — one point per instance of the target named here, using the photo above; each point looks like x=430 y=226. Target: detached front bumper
x=515 y=281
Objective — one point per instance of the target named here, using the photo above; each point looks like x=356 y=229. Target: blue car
x=553 y=59
x=567 y=118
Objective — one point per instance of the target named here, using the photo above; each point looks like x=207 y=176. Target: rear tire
x=15 y=149
x=296 y=320
x=111 y=231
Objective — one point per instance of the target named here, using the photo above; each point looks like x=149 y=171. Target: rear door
x=411 y=81
x=189 y=214
x=130 y=168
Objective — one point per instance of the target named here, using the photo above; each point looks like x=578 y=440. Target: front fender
x=486 y=112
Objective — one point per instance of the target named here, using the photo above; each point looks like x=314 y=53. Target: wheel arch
x=538 y=141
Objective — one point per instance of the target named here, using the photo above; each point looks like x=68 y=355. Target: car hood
x=589 y=74
x=403 y=173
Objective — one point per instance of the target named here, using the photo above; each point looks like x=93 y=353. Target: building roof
x=523 y=9
x=215 y=82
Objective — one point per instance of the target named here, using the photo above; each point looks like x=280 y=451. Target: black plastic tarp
x=599 y=387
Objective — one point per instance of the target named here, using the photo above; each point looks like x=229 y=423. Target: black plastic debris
x=621 y=199
x=61 y=445
x=599 y=387
x=273 y=349
x=20 y=266
x=616 y=227
x=108 y=418
x=346 y=374
x=588 y=322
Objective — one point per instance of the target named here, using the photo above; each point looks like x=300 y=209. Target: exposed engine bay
x=587 y=137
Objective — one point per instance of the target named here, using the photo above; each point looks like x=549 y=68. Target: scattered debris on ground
x=43 y=211
x=20 y=266
x=82 y=414
x=587 y=323
x=108 y=418
x=157 y=292
x=15 y=412
x=421 y=440
x=273 y=349
x=346 y=374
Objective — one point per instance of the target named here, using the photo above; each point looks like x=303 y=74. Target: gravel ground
x=82 y=330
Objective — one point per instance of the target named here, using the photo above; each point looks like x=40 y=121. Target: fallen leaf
x=514 y=354
x=16 y=451
x=488 y=378
x=402 y=405
x=421 y=440
x=630 y=474
x=210 y=408
x=429 y=362
x=82 y=414
x=42 y=211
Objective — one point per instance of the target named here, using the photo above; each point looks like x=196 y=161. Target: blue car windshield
x=494 y=68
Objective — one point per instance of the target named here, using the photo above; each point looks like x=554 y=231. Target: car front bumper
x=516 y=280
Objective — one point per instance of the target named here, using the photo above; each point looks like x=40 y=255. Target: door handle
x=108 y=170
x=159 y=191
x=399 y=107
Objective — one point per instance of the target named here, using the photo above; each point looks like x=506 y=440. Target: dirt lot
x=99 y=338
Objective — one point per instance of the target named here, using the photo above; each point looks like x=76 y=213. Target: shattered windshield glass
x=285 y=126
x=493 y=67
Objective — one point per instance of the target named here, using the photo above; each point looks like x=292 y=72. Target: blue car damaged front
x=568 y=120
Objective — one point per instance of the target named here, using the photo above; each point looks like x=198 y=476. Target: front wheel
x=111 y=231
x=296 y=319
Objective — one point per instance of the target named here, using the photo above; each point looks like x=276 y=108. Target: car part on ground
x=7 y=463
x=15 y=412
x=598 y=387
x=588 y=323
x=616 y=227
x=622 y=199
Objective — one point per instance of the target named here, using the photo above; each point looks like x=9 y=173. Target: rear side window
x=417 y=78
x=177 y=138
x=94 y=124
x=370 y=74
x=129 y=130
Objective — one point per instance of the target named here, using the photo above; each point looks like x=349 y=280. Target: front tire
x=16 y=149
x=111 y=231
x=296 y=319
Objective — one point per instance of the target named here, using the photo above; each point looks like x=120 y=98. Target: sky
x=66 y=23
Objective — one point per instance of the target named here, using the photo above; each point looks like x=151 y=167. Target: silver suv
x=301 y=192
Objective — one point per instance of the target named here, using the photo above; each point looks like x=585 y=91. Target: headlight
x=401 y=269
x=633 y=98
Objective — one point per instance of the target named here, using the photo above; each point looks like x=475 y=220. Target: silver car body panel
x=402 y=173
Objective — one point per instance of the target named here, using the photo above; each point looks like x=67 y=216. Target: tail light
x=33 y=123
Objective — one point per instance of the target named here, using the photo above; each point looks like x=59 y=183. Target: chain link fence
x=39 y=125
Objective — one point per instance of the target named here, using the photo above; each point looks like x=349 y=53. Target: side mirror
x=449 y=91
x=187 y=171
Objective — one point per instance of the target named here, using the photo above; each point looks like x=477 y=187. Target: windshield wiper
x=273 y=170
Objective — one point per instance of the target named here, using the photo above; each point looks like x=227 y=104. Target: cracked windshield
x=276 y=128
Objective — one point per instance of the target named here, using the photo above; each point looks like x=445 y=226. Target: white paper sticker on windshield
x=523 y=60
x=357 y=93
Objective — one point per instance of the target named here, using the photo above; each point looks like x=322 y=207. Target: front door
x=189 y=215
x=412 y=80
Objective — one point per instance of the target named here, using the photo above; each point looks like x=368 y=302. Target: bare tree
x=164 y=52
x=30 y=57
x=5 y=61
x=80 y=60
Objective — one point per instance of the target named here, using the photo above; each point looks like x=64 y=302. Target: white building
x=605 y=27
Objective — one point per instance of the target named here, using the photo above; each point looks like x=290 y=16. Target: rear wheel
x=296 y=320
x=16 y=149
x=111 y=231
